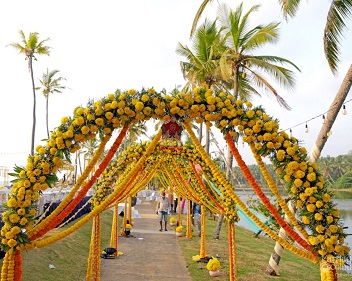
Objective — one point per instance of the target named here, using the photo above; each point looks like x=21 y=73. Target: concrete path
x=148 y=256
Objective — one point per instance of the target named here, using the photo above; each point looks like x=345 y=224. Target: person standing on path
x=162 y=208
x=197 y=213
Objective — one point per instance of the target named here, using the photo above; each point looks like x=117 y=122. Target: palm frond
x=284 y=77
x=275 y=59
x=263 y=83
x=335 y=24
x=261 y=35
x=289 y=7
x=243 y=27
x=198 y=15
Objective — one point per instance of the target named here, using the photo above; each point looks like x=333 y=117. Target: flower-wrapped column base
x=214 y=273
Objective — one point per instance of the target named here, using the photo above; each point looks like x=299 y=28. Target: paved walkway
x=148 y=256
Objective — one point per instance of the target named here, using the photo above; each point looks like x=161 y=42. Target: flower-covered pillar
x=202 y=232
x=93 y=269
x=130 y=209
x=179 y=212
x=124 y=218
x=189 y=227
x=232 y=250
x=12 y=266
x=328 y=271
x=114 y=229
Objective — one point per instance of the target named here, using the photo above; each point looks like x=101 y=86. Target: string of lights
x=344 y=112
x=14 y=153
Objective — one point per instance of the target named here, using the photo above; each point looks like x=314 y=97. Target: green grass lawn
x=69 y=256
x=252 y=258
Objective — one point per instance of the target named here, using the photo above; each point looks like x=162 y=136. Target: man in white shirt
x=162 y=208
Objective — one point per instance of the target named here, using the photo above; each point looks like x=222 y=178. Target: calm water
x=344 y=205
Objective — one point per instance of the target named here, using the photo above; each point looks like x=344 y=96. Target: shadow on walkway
x=149 y=255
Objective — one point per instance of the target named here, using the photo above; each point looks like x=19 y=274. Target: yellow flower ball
x=303 y=197
x=319 y=228
x=333 y=228
x=23 y=221
x=107 y=131
x=313 y=240
x=139 y=106
x=311 y=208
x=311 y=177
x=299 y=204
x=15 y=230
x=109 y=115
x=64 y=120
x=329 y=219
x=14 y=218
x=305 y=220
x=12 y=243
x=326 y=198
x=298 y=183
x=99 y=121
x=318 y=216
x=319 y=204
x=321 y=238
x=85 y=130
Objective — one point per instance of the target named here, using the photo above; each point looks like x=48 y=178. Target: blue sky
x=101 y=46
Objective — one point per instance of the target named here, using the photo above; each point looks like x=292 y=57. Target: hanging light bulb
x=307 y=130
x=323 y=118
x=290 y=133
x=344 y=111
x=329 y=133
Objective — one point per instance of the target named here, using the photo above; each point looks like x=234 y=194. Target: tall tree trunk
x=200 y=132
x=34 y=104
x=47 y=114
x=228 y=175
x=207 y=139
x=334 y=109
x=273 y=266
x=229 y=155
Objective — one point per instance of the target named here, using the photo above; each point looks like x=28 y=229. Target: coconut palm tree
x=29 y=47
x=50 y=85
x=246 y=70
x=339 y=12
x=202 y=65
x=239 y=62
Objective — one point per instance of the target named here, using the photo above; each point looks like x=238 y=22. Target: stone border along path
x=148 y=256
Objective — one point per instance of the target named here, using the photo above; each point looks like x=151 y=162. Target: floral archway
x=317 y=228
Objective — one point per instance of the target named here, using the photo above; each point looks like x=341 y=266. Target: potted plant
x=213 y=266
x=179 y=230
x=172 y=221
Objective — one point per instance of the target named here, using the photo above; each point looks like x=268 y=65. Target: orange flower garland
x=43 y=224
x=262 y=196
x=67 y=211
x=273 y=188
x=204 y=188
x=46 y=241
